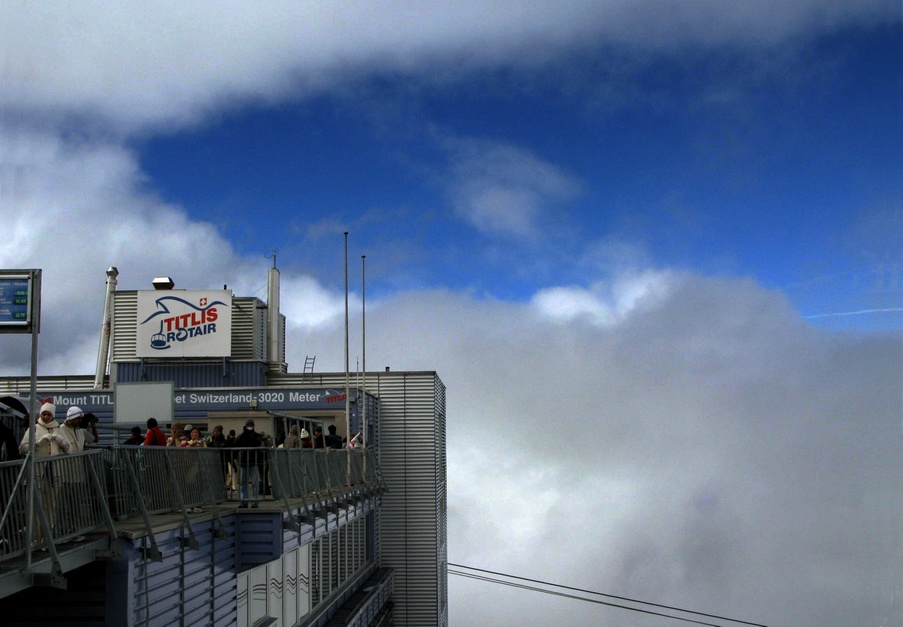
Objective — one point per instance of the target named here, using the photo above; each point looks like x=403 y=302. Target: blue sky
x=652 y=248
x=779 y=165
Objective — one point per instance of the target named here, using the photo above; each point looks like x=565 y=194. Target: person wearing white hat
x=48 y=439
x=73 y=494
x=71 y=432
x=48 y=442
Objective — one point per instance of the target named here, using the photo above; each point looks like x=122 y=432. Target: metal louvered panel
x=248 y=329
x=189 y=587
x=124 y=327
x=21 y=386
x=194 y=374
x=412 y=459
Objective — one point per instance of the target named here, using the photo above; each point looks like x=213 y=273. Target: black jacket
x=249 y=439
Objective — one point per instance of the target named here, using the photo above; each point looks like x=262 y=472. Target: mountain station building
x=153 y=536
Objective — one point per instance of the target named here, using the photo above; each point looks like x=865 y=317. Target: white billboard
x=136 y=402
x=184 y=323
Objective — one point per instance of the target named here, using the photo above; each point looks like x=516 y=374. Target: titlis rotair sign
x=184 y=324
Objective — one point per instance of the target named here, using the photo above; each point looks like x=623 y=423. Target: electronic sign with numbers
x=20 y=292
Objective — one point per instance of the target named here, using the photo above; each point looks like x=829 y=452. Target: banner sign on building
x=201 y=401
x=184 y=323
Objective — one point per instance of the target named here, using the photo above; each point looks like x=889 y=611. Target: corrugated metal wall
x=233 y=374
x=190 y=586
x=412 y=457
x=413 y=513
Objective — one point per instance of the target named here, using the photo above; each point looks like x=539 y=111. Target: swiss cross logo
x=203 y=302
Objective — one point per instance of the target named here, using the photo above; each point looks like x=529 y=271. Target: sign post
x=20 y=312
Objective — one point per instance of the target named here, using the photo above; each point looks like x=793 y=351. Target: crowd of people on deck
x=241 y=469
x=244 y=470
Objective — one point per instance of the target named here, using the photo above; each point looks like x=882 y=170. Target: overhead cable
x=602 y=594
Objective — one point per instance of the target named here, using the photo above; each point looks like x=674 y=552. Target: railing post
x=156 y=555
x=193 y=539
x=101 y=494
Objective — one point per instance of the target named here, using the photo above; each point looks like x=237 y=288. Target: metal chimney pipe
x=363 y=403
x=103 y=349
x=274 y=321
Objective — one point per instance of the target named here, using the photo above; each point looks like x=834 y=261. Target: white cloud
x=709 y=450
x=73 y=210
x=706 y=452
x=308 y=306
x=503 y=190
x=176 y=62
x=603 y=304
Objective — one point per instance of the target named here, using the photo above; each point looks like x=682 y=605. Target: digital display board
x=18 y=290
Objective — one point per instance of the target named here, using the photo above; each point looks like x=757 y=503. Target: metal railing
x=321 y=478
x=71 y=499
x=157 y=480
x=88 y=492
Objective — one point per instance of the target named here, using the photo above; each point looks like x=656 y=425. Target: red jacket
x=155 y=437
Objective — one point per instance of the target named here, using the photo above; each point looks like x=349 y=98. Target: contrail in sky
x=854 y=313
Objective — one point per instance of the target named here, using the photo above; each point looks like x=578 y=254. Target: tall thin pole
x=347 y=385
x=33 y=409
x=364 y=347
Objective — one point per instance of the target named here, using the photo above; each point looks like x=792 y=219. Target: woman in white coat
x=48 y=439
x=48 y=442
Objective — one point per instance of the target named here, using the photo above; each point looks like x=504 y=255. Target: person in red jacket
x=155 y=436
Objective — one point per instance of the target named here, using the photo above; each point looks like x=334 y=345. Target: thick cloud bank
x=708 y=451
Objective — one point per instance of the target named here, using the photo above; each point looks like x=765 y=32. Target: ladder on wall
x=309 y=366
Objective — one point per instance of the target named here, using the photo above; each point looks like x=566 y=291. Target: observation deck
x=90 y=506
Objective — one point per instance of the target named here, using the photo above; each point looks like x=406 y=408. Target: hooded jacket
x=74 y=436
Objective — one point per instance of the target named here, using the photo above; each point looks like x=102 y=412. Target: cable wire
x=578 y=598
x=602 y=594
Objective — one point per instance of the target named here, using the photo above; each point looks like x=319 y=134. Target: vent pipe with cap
x=274 y=320
x=103 y=349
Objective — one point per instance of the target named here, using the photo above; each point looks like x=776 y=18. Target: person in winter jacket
x=48 y=442
x=74 y=494
x=249 y=463
x=155 y=435
x=48 y=439
x=71 y=431
x=293 y=441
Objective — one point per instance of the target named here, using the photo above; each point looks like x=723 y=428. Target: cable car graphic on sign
x=158 y=341
x=179 y=327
